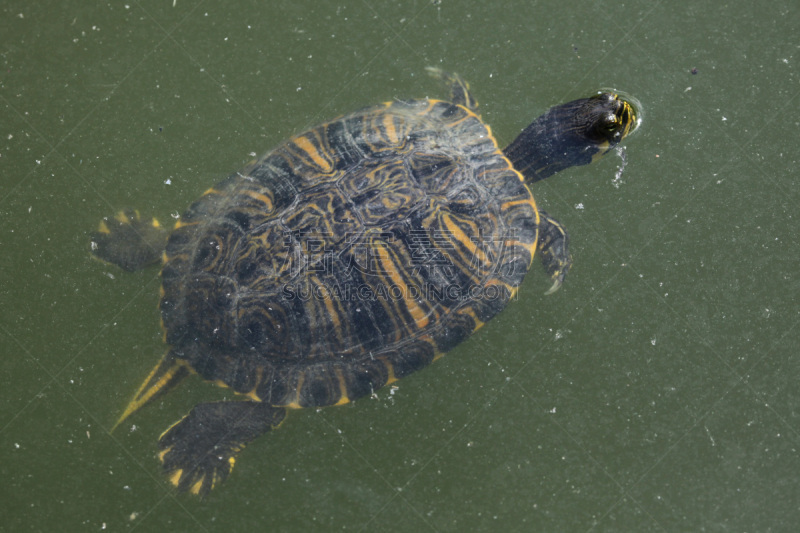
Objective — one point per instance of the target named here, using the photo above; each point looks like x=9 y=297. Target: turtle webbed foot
x=199 y=451
x=128 y=241
x=554 y=247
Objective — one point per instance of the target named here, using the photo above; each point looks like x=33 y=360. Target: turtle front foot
x=128 y=241
x=199 y=451
x=554 y=247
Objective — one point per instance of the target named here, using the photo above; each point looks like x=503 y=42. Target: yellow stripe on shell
x=262 y=198
x=295 y=404
x=494 y=282
x=318 y=158
x=387 y=265
x=388 y=127
x=471 y=313
x=252 y=393
x=456 y=231
x=343 y=398
x=333 y=314
x=389 y=370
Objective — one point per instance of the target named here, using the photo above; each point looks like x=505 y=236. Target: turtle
x=348 y=257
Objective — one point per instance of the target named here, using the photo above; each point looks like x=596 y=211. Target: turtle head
x=572 y=134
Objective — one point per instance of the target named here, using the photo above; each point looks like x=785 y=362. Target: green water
x=656 y=391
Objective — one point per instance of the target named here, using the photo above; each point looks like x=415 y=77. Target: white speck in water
x=713 y=443
x=623 y=155
x=579 y=205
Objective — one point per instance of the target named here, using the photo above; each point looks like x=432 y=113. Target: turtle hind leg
x=129 y=241
x=459 y=89
x=198 y=452
x=554 y=247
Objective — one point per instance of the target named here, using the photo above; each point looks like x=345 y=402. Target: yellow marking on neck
x=602 y=149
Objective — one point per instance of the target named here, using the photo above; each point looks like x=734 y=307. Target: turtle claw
x=554 y=287
x=554 y=247
x=459 y=89
x=199 y=451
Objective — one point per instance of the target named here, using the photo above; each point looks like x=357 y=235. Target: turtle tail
x=165 y=376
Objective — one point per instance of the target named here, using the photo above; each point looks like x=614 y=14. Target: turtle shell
x=350 y=256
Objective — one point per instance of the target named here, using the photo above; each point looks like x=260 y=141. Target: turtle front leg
x=199 y=451
x=554 y=247
x=128 y=240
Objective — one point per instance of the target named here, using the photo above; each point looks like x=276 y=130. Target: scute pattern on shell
x=349 y=256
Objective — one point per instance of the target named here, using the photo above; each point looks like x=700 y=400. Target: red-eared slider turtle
x=348 y=257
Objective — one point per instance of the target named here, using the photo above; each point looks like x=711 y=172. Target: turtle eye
x=609 y=122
